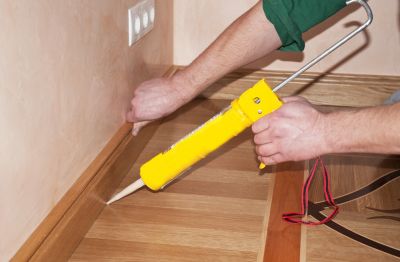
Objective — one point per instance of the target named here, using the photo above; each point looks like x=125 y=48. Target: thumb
x=137 y=126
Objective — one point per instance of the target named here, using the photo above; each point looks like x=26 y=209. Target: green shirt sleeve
x=291 y=18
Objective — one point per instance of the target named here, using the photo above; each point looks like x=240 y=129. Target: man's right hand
x=154 y=99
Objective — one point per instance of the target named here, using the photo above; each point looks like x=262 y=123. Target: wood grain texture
x=267 y=216
x=284 y=239
x=330 y=89
x=220 y=211
x=61 y=231
x=215 y=212
x=374 y=214
x=350 y=172
x=68 y=232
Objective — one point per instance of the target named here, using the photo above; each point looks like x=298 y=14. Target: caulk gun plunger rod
x=128 y=190
x=335 y=46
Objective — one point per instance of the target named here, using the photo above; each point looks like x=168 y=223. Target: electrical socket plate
x=140 y=20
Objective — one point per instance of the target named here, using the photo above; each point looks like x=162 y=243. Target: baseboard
x=348 y=90
x=61 y=231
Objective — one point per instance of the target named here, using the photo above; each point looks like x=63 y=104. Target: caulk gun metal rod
x=335 y=46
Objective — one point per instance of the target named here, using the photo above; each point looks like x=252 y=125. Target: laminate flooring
x=225 y=209
x=215 y=212
x=367 y=228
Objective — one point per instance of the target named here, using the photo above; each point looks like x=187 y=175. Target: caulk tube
x=253 y=104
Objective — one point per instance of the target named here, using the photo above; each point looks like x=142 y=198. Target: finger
x=130 y=116
x=267 y=150
x=289 y=99
x=273 y=160
x=137 y=126
x=264 y=137
x=260 y=125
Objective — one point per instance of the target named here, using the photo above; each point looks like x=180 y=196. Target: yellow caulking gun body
x=253 y=104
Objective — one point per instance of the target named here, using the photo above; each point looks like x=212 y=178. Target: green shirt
x=291 y=18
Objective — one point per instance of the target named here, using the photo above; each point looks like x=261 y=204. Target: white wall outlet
x=140 y=20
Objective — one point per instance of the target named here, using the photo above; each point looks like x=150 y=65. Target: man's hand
x=249 y=38
x=155 y=99
x=292 y=133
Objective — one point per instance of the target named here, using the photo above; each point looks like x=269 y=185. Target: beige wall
x=66 y=77
x=197 y=23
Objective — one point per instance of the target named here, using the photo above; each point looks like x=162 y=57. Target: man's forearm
x=370 y=130
x=250 y=37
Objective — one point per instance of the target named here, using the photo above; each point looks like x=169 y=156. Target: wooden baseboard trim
x=348 y=90
x=60 y=232
x=50 y=222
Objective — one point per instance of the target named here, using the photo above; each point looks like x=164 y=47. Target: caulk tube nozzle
x=128 y=190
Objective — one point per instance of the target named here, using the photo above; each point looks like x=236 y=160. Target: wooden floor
x=221 y=210
x=216 y=212
x=367 y=189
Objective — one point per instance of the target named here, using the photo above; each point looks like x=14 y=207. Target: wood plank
x=264 y=233
x=283 y=239
x=93 y=249
x=202 y=203
x=61 y=231
x=184 y=218
x=221 y=189
x=177 y=235
x=322 y=89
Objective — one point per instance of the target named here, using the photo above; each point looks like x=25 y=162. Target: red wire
x=297 y=218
